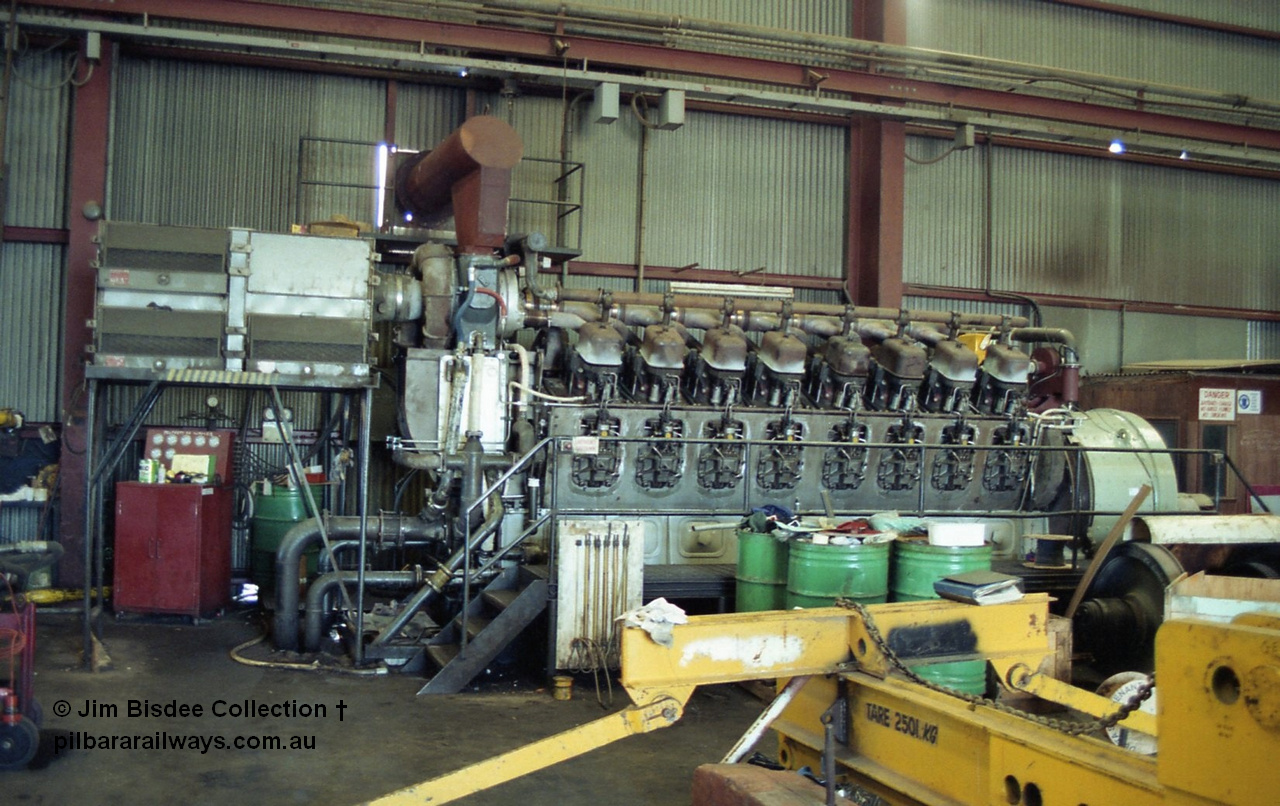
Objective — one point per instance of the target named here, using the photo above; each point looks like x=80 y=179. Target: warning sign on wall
x=1217 y=404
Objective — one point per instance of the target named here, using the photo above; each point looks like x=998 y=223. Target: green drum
x=965 y=676
x=762 y=572
x=917 y=565
x=819 y=574
x=273 y=516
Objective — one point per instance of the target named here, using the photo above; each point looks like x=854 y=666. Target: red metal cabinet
x=172 y=548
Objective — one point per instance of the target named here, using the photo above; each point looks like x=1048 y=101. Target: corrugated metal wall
x=215 y=146
x=1097 y=42
x=36 y=143
x=738 y=193
x=726 y=191
x=30 y=347
x=425 y=114
x=1263 y=14
x=1264 y=340
x=31 y=274
x=811 y=16
x=1104 y=228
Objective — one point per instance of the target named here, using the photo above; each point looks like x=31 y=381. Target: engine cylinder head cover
x=782 y=353
x=600 y=345
x=954 y=361
x=725 y=349
x=663 y=347
x=848 y=357
x=901 y=358
x=1007 y=364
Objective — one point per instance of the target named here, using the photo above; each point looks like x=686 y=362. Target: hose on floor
x=313 y=666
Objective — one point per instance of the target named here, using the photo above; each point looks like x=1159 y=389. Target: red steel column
x=90 y=110
x=873 y=248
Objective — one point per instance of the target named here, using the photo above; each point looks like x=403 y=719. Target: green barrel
x=916 y=566
x=273 y=516
x=762 y=572
x=965 y=676
x=818 y=574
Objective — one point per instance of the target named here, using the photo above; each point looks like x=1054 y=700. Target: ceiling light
x=1116 y=147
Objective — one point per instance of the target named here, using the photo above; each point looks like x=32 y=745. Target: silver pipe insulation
x=631 y=24
x=306 y=535
x=318 y=591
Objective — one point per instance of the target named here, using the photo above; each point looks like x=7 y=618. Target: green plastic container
x=818 y=574
x=762 y=572
x=917 y=565
x=273 y=516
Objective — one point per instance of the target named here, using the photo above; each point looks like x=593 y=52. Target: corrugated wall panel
x=964 y=306
x=736 y=194
x=31 y=328
x=611 y=154
x=811 y=16
x=185 y=406
x=1101 y=228
x=1264 y=340
x=425 y=114
x=36 y=145
x=213 y=145
x=943 y=216
x=1097 y=42
x=1263 y=14
x=19 y=524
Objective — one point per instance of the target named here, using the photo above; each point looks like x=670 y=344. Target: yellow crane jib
x=911 y=741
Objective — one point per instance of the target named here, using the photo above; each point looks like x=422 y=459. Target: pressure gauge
x=215 y=441
x=169 y=453
x=185 y=440
x=155 y=453
x=157 y=439
x=171 y=439
x=199 y=440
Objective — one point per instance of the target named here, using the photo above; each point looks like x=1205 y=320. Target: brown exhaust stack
x=470 y=173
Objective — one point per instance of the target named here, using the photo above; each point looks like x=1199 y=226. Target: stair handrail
x=467 y=512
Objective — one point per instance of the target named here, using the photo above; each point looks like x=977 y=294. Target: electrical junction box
x=671 y=110
x=604 y=105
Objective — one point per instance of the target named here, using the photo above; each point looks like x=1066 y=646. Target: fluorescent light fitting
x=380 y=182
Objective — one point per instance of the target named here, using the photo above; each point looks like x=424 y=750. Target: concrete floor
x=388 y=737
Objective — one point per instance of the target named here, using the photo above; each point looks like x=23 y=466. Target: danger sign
x=1217 y=404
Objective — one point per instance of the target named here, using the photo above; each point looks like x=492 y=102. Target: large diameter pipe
x=625 y=299
x=433 y=265
x=320 y=589
x=306 y=535
x=440 y=579
x=470 y=174
x=573 y=315
x=1054 y=335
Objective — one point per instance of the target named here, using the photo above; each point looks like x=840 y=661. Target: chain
x=1070 y=727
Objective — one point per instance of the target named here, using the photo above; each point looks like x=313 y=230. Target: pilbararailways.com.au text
x=182 y=742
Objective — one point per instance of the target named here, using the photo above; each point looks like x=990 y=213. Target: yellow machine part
x=1218 y=723
x=1219 y=708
